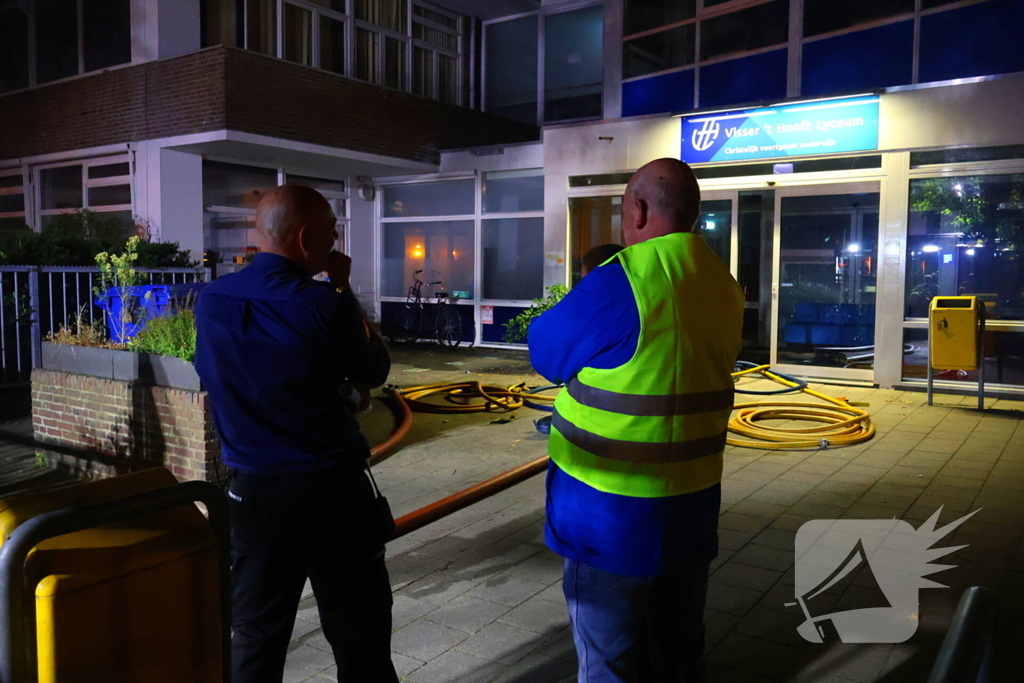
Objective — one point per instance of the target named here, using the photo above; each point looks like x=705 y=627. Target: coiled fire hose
x=469 y=397
x=844 y=424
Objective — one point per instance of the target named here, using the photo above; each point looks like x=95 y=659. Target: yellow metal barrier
x=135 y=599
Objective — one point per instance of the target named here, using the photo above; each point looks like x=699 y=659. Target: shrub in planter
x=516 y=329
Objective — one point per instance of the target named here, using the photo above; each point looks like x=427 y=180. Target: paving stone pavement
x=478 y=596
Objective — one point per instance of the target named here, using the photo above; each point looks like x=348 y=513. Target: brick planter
x=110 y=412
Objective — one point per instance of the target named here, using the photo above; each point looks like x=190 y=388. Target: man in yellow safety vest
x=646 y=345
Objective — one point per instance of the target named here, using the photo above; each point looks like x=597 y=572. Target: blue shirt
x=273 y=347
x=597 y=325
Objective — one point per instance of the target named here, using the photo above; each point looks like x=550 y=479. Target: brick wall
x=153 y=100
x=122 y=426
x=271 y=97
x=227 y=88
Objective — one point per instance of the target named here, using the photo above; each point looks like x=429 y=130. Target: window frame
x=794 y=44
x=29 y=6
x=23 y=190
x=353 y=26
x=37 y=187
x=541 y=15
x=955 y=170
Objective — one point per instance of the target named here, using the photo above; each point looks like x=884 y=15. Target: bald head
x=296 y=222
x=661 y=198
x=285 y=209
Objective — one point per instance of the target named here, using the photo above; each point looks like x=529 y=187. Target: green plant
x=516 y=329
x=168 y=335
x=118 y=273
x=74 y=239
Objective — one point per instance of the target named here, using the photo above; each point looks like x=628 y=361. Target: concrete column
x=362 y=246
x=170 y=196
x=162 y=29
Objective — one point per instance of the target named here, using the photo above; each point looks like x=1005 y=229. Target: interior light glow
x=930 y=248
x=970 y=252
x=853 y=248
x=710 y=225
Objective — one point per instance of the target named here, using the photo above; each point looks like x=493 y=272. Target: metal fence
x=38 y=300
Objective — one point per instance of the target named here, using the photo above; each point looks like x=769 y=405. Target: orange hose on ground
x=381 y=450
x=457 y=501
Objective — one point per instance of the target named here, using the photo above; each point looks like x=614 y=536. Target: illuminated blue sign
x=826 y=127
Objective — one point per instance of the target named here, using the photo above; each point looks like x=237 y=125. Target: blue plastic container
x=145 y=302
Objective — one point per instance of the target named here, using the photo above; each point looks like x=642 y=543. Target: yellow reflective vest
x=656 y=426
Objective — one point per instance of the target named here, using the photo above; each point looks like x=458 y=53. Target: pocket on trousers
x=620 y=583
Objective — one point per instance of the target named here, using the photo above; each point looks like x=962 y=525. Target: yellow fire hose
x=844 y=424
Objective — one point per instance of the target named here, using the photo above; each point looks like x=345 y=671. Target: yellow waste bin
x=955 y=330
x=131 y=601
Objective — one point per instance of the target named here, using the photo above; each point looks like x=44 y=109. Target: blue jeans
x=638 y=629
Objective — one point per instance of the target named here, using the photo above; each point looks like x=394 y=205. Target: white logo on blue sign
x=706 y=135
x=825 y=127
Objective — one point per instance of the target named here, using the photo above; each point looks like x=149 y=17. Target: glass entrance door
x=825 y=278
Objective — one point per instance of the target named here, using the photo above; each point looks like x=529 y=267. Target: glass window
x=106 y=33
x=61 y=188
x=262 y=26
x=1004 y=359
x=12 y=203
x=593 y=221
x=389 y=14
x=56 y=40
x=436 y=37
x=511 y=191
x=447 y=79
x=748 y=29
x=394 y=63
x=822 y=16
x=442 y=250
x=643 y=15
x=218 y=23
x=319 y=184
x=13 y=49
x=658 y=52
x=752 y=78
x=336 y=5
x=966 y=236
x=715 y=226
x=367 y=55
x=960 y=154
x=447 y=198
x=512 y=69
x=109 y=170
x=573 y=64
x=422 y=72
x=332 y=45
x=859 y=61
x=298 y=35
x=10 y=180
x=513 y=258
x=928 y=4
x=110 y=195
x=234 y=185
x=436 y=17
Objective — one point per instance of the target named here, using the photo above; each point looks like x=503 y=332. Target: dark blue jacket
x=597 y=325
x=272 y=350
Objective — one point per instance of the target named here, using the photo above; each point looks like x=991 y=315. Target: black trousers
x=286 y=528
